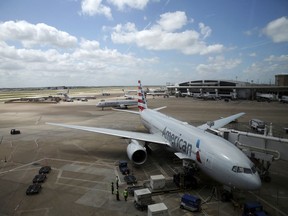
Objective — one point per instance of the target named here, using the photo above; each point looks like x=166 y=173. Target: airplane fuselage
x=117 y=103
x=214 y=155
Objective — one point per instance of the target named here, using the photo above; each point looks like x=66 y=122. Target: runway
x=84 y=164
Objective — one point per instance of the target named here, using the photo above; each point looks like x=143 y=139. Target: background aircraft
x=68 y=98
x=122 y=104
x=157 y=92
x=214 y=155
x=130 y=94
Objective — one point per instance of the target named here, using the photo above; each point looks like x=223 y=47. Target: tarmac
x=84 y=164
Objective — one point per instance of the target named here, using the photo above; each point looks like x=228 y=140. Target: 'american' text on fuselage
x=177 y=141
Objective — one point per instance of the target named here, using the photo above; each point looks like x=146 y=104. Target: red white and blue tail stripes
x=142 y=104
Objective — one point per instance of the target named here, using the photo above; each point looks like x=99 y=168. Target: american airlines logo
x=177 y=141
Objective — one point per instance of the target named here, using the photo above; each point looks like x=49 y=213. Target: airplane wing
x=220 y=122
x=127 y=111
x=153 y=138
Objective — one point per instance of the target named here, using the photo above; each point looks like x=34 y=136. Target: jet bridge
x=261 y=149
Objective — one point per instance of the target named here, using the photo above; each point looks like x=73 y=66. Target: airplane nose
x=249 y=182
x=255 y=182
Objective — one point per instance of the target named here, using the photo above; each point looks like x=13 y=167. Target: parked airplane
x=214 y=155
x=128 y=94
x=68 y=98
x=157 y=92
x=123 y=104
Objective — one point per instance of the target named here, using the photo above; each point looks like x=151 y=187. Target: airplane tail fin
x=142 y=103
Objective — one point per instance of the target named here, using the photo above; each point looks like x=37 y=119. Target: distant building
x=212 y=89
x=281 y=80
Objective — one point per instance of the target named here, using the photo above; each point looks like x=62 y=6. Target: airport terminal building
x=229 y=89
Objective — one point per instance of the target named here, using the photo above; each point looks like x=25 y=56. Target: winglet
x=142 y=103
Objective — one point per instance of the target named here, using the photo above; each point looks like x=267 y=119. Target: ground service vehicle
x=253 y=209
x=39 y=178
x=257 y=125
x=44 y=170
x=190 y=202
x=14 y=131
x=123 y=167
x=33 y=189
x=130 y=179
x=142 y=198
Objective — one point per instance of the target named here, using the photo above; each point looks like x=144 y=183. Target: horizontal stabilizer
x=159 y=108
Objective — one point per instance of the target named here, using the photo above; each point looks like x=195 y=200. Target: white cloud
x=252 y=54
x=263 y=71
x=251 y=32
x=277 y=30
x=85 y=63
x=95 y=7
x=89 y=45
x=172 y=21
x=205 y=30
x=35 y=35
x=136 y=4
x=162 y=36
x=217 y=65
x=215 y=48
x=272 y=58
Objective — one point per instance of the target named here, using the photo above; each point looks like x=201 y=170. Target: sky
x=118 y=42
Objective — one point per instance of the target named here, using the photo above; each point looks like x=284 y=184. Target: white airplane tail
x=142 y=103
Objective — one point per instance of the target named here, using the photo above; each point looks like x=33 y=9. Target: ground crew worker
x=117 y=195
x=112 y=188
x=117 y=181
x=125 y=194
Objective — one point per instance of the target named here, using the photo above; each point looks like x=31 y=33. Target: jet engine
x=136 y=152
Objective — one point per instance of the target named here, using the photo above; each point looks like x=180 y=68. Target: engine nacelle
x=136 y=152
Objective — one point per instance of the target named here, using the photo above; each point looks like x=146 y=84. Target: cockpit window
x=238 y=169
x=247 y=170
